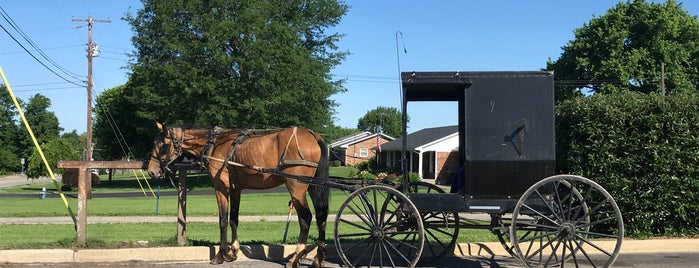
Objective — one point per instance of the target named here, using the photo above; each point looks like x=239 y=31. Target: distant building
x=432 y=152
x=356 y=148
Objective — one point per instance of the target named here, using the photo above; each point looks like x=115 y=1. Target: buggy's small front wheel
x=379 y=226
x=441 y=228
x=566 y=218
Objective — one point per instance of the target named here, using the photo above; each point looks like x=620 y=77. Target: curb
x=282 y=252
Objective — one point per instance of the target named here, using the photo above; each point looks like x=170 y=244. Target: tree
x=54 y=150
x=9 y=161
x=387 y=120
x=113 y=116
x=333 y=132
x=75 y=141
x=232 y=64
x=625 y=48
x=43 y=122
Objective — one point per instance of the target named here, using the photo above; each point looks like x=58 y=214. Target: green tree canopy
x=9 y=131
x=387 y=120
x=54 y=150
x=333 y=132
x=43 y=122
x=247 y=63
x=75 y=141
x=625 y=48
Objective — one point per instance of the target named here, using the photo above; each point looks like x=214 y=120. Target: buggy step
x=438 y=202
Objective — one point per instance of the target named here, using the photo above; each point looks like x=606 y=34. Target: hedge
x=643 y=149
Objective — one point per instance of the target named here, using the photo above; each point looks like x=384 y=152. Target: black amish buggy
x=507 y=154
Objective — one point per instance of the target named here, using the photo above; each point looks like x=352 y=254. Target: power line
x=26 y=38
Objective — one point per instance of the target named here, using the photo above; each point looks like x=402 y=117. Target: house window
x=363 y=152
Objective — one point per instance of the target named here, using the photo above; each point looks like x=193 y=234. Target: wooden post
x=83 y=192
x=182 y=206
x=84 y=187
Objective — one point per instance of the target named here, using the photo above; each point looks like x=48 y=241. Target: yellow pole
x=147 y=183
x=38 y=148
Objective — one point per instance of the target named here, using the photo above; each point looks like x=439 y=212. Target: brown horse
x=296 y=151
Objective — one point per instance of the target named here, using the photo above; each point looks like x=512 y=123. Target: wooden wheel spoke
x=361 y=215
x=363 y=227
x=548 y=205
x=587 y=256
x=540 y=214
x=589 y=242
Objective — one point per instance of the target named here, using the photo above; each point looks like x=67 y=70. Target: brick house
x=357 y=148
x=433 y=153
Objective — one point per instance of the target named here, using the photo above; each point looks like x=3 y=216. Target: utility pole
x=91 y=52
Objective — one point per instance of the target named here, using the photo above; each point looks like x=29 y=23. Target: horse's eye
x=164 y=148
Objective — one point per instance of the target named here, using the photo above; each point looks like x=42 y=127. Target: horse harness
x=245 y=134
x=177 y=143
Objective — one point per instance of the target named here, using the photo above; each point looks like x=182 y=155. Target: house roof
x=348 y=140
x=420 y=138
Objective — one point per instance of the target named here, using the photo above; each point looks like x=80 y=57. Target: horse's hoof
x=230 y=258
x=231 y=255
x=216 y=260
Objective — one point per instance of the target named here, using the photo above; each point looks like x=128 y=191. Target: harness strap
x=299 y=162
x=209 y=147
x=283 y=161
x=231 y=158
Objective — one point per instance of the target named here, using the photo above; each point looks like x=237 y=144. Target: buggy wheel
x=379 y=226
x=441 y=228
x=502 y=231
x=566 y=218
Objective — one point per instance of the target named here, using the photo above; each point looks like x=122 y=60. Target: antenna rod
x=404 y=117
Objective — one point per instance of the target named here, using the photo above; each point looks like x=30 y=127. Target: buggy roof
x=449 y=86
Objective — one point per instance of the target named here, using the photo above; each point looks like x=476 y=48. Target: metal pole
x=404 y=118
x=288 y=219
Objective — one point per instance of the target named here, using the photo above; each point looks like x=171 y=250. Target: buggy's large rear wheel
x=379 y=226
x=441 y=228
x=566 y=218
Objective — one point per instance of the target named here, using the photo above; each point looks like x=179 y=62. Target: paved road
x=14 y=180
x=633 y=260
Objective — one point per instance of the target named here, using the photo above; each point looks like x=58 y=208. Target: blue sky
x=438 y=35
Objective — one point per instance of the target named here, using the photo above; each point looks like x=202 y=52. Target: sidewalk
x=282 y=252
x=266 y=252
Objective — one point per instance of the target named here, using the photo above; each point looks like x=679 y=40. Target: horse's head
x=166 y=149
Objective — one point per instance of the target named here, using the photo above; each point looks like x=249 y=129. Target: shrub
x=367 y=175
x=643 y=149
x=335 y=163
x=414 y=177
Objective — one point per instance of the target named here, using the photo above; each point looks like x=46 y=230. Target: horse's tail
x=321 y=190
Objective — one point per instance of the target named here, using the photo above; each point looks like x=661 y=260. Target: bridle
x=169 y=159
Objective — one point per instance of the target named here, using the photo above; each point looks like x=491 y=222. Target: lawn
x=158 y=234
x=18 y=236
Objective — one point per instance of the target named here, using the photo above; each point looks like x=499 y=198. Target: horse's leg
x=232 y=253
x=298 y=196
x=320 y=197
x=222 y=192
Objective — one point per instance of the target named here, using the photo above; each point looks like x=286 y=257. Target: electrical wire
x=26 y=38
x=9 y=20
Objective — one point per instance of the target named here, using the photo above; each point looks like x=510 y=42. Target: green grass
x=158 y=234
x=163 y=234
x=128 y=182
x=197 y=205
